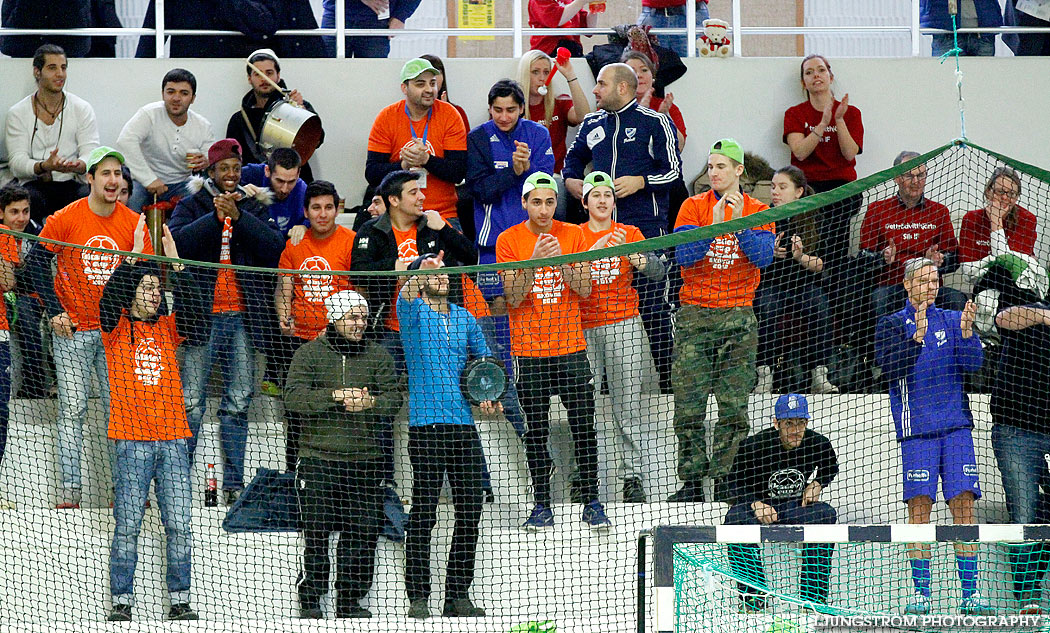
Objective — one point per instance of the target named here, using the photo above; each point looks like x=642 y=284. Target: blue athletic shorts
x=949 y=457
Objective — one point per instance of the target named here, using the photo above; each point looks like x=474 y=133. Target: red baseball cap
x=221 y=150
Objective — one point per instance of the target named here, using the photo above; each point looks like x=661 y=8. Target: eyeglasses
x=913 y=177
x=1005 y=193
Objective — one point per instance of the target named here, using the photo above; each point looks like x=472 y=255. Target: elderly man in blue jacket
x=638 y=147
x=923 y=352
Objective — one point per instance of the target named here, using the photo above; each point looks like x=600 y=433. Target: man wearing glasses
x=907 y=226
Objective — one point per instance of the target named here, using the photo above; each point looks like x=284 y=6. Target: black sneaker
x=692 y=491
x=633 y=492
x=120 y=613
x=351 y=610
x=313 y=613
x=461 y=608
x=182 y=611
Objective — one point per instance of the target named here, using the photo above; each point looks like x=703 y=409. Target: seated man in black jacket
x=392 y=241
x=768 y=484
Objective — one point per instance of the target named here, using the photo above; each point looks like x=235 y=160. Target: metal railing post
x=916 y=35
x=158 y=22
x=737 y=47
x=340 y=28
x=690 y=25
x=516 y=23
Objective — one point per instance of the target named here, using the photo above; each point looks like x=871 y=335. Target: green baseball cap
x=416 y=67
x=539 y=180
x=99 y=153
x=730 y=148
x=596 y=179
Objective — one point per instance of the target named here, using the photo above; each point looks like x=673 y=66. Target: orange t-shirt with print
x=725 y=278
x=444 y=131
x=81 y=273
x=9 y=253
x=407 y=252
x=613 y=298
x=227 y=297
x=309 y=291
x=146 y=402
x=547 y=321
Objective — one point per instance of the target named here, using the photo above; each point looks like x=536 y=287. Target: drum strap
x=252 y=135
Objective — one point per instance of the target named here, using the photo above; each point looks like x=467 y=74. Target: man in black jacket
x=246 y=124
x=392 y=241
x=222 y=223
x=777 y=477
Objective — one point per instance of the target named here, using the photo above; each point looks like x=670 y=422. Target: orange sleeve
x=456 y=134
x=379 y=136
x=634 y=234
x=286 y=257
x=688 y=214
x=8 y=248
x=504 y=248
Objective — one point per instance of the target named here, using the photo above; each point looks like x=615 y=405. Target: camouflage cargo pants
x=714 y=353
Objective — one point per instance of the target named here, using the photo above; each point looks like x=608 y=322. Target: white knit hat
x=342 y=302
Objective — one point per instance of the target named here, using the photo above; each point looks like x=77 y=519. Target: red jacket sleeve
x=1025 y=233
x=968 y=251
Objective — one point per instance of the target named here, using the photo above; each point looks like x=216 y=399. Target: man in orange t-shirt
x=421 y=134
x=546 y=341
x=617 y=345
x=300 y=306
x=71 y=301
x=147 y=419
x=716 y=337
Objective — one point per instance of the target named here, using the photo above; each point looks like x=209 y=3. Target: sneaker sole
x=533 y=528
x=603 y=527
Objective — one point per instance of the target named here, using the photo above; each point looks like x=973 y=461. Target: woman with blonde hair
x=554 y=112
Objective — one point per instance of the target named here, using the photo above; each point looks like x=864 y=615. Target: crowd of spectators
x=342 y=350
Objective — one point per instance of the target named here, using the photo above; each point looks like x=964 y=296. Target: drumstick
x=283 y=91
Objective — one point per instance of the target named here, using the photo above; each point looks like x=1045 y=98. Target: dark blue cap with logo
x=791 y=406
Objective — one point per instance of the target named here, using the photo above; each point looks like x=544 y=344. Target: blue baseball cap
x=791 y=406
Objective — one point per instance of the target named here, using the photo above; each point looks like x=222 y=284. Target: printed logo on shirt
x=362 y=243
x=970 y=470
x=786 y=484
x=595 y=136
x=630 y=132
x=500 y=164
x=493 y=139
x=406 y=251
x=99 y=266
x=918 y=475
x=942 y=337
x=605 y=271
x=148 y=362
x=316 y=288
x=548 y=285
x=828 y=132
x=724 y=249
x=411 y=142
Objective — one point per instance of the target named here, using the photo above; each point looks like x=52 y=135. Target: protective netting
x=266 y=430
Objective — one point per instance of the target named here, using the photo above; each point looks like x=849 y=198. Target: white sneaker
x=821 y=384
x=765 y=379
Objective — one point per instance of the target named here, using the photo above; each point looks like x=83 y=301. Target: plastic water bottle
x=211 y=493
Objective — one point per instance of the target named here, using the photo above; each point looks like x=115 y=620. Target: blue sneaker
x=976 y=605
x=919 y=605
x=594 y=516
x=541 y=518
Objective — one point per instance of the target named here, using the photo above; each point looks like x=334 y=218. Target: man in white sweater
x=49 y=135
x=165 y=142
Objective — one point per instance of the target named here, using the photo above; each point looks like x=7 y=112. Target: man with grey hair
x=638 y=147
x=345 y=388
x=906 y=226
x=923 y=352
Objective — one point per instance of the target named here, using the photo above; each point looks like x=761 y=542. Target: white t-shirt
x=154 y=147
x=29 y=141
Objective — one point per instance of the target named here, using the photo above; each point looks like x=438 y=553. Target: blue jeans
x=972 y=44
x=658 y=19
x=76 y=359
x=140 y=197
x=5 y=393
x=1023 y=458
x=138 y=464
x=228 y=343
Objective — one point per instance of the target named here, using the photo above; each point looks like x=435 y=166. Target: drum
x=483 y=379
x=288 y=125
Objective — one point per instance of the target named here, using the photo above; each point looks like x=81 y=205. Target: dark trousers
x=656 y=317
x=746 y=560
x=46 y=197
x=344 y=497
x=437 y=451
x=36 y=368
x=811 y=308
x=568 y=377
x=843 y=284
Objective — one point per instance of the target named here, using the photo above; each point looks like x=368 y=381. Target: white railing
x=518 y=31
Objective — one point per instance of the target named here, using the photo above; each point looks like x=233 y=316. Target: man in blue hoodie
x=923 y=352
x=638 y=147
